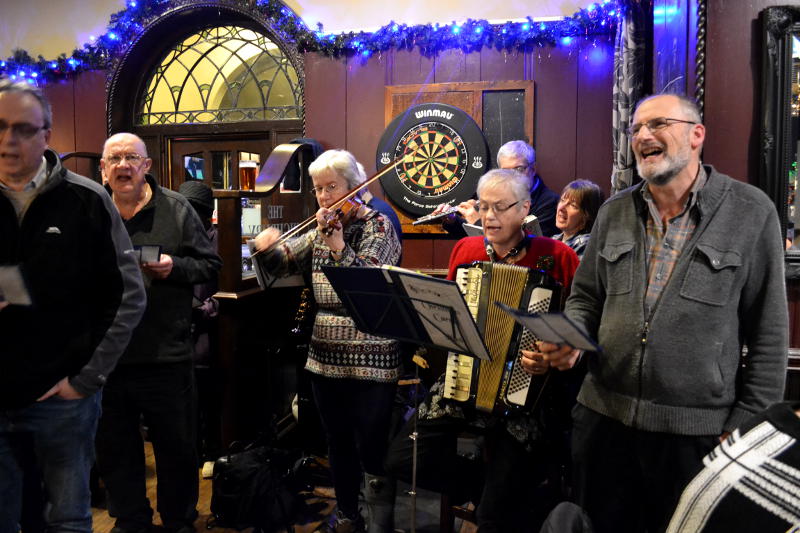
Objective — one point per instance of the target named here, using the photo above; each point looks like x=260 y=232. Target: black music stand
x=401 y=304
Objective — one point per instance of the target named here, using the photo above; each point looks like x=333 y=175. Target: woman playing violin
x=353 y=375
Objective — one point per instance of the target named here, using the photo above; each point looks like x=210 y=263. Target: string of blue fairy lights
x=125 y=26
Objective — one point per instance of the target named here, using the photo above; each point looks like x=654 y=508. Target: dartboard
x=442 y=153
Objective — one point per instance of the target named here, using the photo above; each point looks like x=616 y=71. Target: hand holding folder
x=555 y=328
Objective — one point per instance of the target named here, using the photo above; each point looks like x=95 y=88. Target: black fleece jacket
x=168 y=220
x=85 y=285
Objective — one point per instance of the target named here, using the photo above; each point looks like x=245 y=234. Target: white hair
x=517 y=182
x=342 y=163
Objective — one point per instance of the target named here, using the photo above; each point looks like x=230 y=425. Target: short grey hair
x=688 y=105
x=8 y=86
x=517 y=149
x=517 y=181
x=342 y=163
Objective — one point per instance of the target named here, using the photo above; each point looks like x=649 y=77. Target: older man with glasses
x=521 y=157
x=154 y=381
x=681 y=273
x=63 y=237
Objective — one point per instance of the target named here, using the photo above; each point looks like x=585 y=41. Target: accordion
x=500 y=386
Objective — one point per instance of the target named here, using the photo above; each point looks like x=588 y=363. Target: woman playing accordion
x=521 y=451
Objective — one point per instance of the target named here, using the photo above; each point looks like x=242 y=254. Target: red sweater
x=562 y=265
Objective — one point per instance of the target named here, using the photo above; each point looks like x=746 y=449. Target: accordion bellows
x=501 y=385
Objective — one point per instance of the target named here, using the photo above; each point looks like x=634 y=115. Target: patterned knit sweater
x=751 y=482
x=338 y=349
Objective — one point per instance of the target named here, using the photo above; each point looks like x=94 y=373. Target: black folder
x=555 y=328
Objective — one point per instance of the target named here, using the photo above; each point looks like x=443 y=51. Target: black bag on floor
x=254 y=488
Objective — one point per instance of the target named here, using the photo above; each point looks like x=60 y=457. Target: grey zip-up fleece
x=681 y=370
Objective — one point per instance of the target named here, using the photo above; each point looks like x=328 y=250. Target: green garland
x=126 y=25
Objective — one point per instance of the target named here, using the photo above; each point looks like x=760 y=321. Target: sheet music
x=435 y=301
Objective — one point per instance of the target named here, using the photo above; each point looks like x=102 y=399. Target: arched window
x=221 y=74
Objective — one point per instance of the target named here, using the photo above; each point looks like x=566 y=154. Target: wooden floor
x=102 y=523
x=323 y=500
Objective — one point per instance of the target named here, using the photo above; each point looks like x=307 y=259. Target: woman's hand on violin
x=330 y=228
x=266 y=238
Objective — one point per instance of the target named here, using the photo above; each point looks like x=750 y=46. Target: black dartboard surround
x=443 y=155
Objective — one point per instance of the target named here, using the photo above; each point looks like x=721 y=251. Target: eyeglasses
x=23 y=130
x=331 y=187
x=131 y=159
x=656 y=124
x=497 y=208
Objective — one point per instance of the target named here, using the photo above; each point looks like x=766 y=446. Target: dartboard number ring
x=441 y=154
x=434 y=159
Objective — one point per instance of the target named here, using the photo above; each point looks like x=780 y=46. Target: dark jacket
x=86 y=289
x=168 y=220
x=680 y=370
x=543 y=204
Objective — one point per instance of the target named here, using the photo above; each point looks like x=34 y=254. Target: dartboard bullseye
x=434 y=159
x=443 y=154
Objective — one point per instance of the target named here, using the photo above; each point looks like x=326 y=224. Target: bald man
x=154 y=380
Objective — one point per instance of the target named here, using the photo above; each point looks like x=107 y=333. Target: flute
x=427 y=219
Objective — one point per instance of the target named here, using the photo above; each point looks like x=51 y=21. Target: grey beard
x=662 y=178
x=674 y=167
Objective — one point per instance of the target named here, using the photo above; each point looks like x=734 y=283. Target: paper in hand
x=12 y=286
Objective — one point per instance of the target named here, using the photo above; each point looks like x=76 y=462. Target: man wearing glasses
x=682 y=271
x=519 y=156
x=61 y=232
x=154 y=380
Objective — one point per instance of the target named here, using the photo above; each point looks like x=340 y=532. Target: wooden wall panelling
x=418 y=253
x=326 y=100
x=593 y=132
x=62 y=103
x=90 y=111
x=454 y=65
x=555 y=74
x=441 y=252
x=499 y=65
x=365 y=83
x=400 y=98
x=409 y=66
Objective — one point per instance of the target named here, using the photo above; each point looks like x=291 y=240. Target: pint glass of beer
x=247 y=175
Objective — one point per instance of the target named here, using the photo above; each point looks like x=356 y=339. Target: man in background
x=62 y=234
x=154 y=381
x=519 y=156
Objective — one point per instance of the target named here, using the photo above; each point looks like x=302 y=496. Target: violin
x=342 y=212
x=350 y=198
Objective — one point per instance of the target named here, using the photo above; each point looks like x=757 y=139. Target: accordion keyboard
x=520 y=381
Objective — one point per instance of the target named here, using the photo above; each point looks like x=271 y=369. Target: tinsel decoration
x=469 y=36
